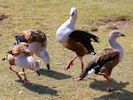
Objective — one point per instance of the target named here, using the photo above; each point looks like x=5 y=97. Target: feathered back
x=37 y=36
x=105 y=54
x=19 y=49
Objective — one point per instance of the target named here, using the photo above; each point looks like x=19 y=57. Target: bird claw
x=67 y=67
x=26 y=81
x=20 y=78
x=48 y=67
x=110 y=89
x=76 y=79
x=21 y=73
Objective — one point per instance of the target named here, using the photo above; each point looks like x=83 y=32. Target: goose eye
x=72 y=14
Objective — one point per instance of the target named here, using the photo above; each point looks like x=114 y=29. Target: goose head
x=115 y=34
x=73 y=12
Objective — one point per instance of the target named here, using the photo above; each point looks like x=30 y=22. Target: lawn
x=96 y=16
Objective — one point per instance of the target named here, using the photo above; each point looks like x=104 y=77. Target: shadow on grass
x=54 y=74
x=118 y=94
x=40 y=89
x=101 y=85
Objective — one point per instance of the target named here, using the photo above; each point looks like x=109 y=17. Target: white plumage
x=68 y=27
x=26 y=62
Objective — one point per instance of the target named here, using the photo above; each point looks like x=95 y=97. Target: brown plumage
x=76 y=47
x=105 y=54
x=24 y=44
x=34 y=36
x=37 y=43
x=103 y=62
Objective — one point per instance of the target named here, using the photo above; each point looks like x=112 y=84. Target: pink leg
x=16 y=73
x=82 y=64
x=82 y=67
x=26 y=81
x=109 y=88
x=70 y=63
x=76 y=78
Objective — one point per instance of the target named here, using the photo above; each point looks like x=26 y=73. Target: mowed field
x=99 y=17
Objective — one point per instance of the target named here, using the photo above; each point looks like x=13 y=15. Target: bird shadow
x=101 y=85
x=118 y=94
x=40 y=89
x=54 y=74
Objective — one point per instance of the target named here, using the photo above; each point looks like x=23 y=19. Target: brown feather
x=25 y=34
x=106 y=53
x=24 y=44
x=35 y=36
x=17 y=49
x=76 y=47
x=11 y=59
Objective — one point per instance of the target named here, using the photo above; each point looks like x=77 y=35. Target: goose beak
x=38 y=73
x=48 y=67
x=122 y=35
x=4 y=59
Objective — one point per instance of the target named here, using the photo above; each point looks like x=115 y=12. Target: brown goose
x=75 y=40
x=37 y=43
x=106 y=60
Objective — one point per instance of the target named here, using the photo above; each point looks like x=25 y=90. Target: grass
x=57 y=84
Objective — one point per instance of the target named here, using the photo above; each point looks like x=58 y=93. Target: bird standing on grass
x=37 y=43
x=21 y=56
x=75 y=40
x=106 y=60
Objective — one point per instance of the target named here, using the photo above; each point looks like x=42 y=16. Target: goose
x=103 y=62
x=75 y=40
x=21 y=56
x=37 y=41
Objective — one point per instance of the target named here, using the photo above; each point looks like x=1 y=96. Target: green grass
x=57 y=84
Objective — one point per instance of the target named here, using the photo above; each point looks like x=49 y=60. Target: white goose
x=104 y=61
x=75 y=40
x=21 y=56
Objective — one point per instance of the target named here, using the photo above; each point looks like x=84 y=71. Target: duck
x=37 y=43
x=78 y=41
x=21 y=56
x=104 y=62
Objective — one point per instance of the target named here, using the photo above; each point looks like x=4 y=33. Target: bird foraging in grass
x=76 y=40
x=37 y=41
x=21 y=56
x=104 y=61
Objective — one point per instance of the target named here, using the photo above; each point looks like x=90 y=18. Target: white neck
x=65 y=29
x=114 y=44
x=71 y=23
